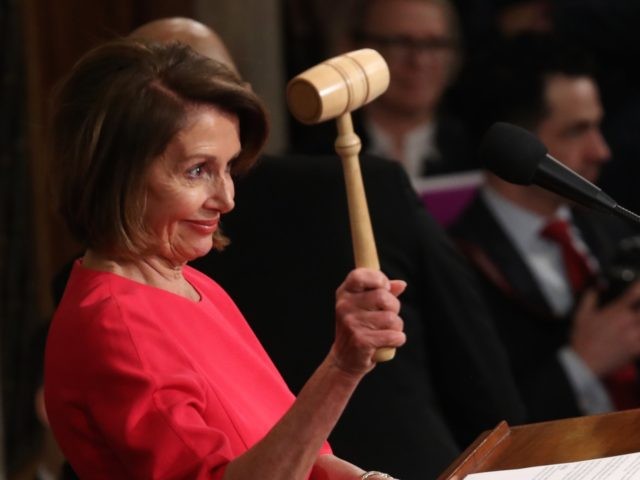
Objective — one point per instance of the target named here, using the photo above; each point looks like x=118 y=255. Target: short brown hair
x=115 y=112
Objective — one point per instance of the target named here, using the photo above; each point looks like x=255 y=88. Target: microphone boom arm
x=554 y=176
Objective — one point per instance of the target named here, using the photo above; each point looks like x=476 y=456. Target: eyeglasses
x=401 y=46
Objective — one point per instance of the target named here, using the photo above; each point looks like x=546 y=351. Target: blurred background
x=271 y=41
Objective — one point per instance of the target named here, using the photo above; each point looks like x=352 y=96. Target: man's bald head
x=195 y=34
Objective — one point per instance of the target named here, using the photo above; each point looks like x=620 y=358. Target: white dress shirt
x=417 y=146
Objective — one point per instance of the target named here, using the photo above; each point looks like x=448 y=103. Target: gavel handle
x=364 y=246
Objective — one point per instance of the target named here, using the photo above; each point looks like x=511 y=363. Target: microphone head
x=511 y=152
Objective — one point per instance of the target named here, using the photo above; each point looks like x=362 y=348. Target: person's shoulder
x=305 y=175
x=278 y=174
x=384 y=165
x=301 y=163
x=95 y=299
x=86 y=287
x=91 y=321
x=472 y=219
x=311 y=164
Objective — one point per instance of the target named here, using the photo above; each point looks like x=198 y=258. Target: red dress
x=141 y=383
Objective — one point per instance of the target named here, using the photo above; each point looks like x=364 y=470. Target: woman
x=151 y=371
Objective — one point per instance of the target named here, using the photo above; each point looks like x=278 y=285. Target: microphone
x=517 y=156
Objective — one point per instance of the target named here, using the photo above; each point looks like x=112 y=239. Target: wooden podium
x=559 y=441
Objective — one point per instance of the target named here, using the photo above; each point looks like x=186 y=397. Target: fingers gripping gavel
x=330 y=90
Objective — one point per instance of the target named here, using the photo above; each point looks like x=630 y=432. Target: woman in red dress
x=151 y=371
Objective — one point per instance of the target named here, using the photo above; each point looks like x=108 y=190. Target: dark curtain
x=40 y=41
x=18 y=308
x=314 y=31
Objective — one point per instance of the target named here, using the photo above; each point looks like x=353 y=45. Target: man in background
x=539 y=256
x=420 y=41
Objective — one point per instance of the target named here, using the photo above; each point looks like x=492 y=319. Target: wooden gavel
x=333 y=89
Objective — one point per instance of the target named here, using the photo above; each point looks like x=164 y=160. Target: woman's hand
x=367 y=319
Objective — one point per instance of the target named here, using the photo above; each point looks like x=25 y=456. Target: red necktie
x=578 y=269
x=622 y=384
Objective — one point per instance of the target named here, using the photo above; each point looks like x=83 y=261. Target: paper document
x=621 y=467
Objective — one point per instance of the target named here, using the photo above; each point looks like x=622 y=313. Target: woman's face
x=189 y=186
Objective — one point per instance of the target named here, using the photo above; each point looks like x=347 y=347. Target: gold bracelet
x=373 y=473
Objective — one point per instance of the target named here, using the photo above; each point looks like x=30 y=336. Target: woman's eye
x=196 y=171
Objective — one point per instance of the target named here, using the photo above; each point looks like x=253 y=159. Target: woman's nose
x=221 y=194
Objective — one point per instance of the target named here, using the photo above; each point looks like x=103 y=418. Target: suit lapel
x=483 y=230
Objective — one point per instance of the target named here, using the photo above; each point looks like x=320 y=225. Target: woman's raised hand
x=367 y=319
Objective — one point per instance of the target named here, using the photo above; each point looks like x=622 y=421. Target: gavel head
x=337 y=86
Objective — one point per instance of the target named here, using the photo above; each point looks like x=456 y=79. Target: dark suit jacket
x=291 y=249
x=530 y=331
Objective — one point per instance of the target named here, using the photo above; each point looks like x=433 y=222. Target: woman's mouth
x=206 y=227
